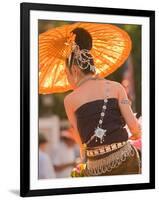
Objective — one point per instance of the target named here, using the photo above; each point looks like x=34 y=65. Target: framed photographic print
x=87 y=99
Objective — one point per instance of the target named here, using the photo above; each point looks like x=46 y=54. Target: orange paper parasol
x=111 y=47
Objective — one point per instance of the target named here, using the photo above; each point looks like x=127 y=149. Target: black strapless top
x=88 y=116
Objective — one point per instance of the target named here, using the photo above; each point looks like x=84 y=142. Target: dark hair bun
x=83 y=38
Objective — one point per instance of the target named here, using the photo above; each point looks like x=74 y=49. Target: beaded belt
x=104 y=149
x=106 y=164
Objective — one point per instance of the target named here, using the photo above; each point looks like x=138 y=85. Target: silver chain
x=99 y=132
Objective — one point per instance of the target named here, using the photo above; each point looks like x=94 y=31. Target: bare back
x=93 y=90
x=96 y=90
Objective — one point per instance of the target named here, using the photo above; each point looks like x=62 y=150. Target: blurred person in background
x=65 y=155
x=46 y=169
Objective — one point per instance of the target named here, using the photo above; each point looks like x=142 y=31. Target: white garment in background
x=46 y=169
x=64 y=155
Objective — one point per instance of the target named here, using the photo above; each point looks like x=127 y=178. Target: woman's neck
x=86 y=78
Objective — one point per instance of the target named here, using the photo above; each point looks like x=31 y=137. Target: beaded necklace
x=88 y=78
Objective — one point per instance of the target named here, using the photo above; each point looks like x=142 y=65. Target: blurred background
x=58 y=152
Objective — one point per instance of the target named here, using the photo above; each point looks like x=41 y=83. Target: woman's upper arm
x=72 y=118
x=126 y=111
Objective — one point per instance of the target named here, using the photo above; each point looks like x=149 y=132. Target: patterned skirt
x=123 y=161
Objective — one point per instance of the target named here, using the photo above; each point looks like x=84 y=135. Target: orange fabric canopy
x=111 y=47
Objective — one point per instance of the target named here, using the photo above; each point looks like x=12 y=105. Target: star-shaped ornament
x=100 y=133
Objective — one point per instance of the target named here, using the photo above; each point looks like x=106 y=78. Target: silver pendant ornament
x=100 y=133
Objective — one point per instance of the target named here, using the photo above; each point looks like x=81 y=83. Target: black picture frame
x=25 y=9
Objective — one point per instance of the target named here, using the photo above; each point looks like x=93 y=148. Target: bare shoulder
x=114 y=84
x=69 y=98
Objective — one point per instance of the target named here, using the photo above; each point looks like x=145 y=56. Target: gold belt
x=99 y=150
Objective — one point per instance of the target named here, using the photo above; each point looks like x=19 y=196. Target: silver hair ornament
x=81 y=55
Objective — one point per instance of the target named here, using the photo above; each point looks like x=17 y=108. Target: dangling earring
x=76 y=78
